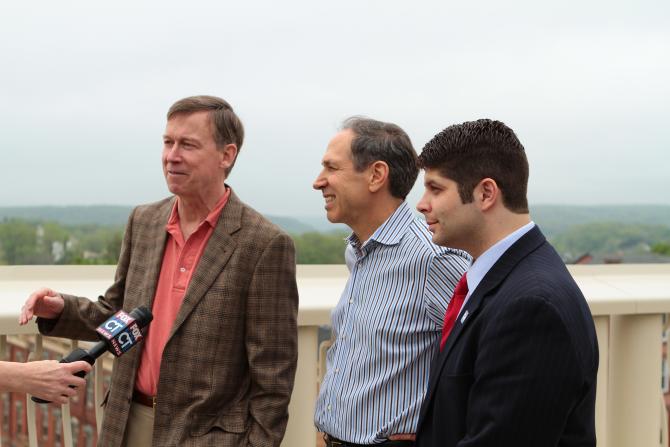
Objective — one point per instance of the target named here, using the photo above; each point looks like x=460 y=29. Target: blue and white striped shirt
x=385 y=328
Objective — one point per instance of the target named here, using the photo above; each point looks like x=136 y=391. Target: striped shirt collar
x=388 y=233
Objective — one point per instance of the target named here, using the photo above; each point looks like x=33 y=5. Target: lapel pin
x=465 y=315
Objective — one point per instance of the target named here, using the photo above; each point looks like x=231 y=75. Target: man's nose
x=423 y=206
x=319 y=183
x=172 y=153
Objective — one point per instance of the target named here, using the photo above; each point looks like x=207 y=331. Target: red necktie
x=454 y=308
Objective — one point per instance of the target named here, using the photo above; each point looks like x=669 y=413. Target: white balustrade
x=628 y=303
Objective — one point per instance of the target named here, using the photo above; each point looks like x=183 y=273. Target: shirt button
x=351 y=301
x=182 y=269
x=337 y=370
x=328 y=407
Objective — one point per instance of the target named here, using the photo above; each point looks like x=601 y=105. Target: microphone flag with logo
x=118 y=333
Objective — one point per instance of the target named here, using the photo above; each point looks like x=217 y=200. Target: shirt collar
x=390 y=232
x=483 y=264
x=173 y=227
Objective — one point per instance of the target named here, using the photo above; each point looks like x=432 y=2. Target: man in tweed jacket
x=220 y=354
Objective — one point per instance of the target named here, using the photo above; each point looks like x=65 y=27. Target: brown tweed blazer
x=228 y=367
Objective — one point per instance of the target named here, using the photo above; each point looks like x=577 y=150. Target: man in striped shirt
x=389 y=318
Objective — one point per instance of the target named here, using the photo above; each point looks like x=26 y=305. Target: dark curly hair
x=475 y=150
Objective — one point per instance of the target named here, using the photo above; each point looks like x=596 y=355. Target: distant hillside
x=111 y=216
x=92 y=234
x=555 y=219
x=601 y=240
x=105 y=215
x=291 y=225
x=321 y=224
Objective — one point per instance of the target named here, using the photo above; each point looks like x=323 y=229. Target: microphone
x=118 y=334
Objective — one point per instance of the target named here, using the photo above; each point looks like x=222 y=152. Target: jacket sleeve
x=81 y=316
x=272 y=341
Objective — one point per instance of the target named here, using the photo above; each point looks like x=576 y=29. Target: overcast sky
x=84 y=87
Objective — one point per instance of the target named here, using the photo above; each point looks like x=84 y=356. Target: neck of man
x=193 y=210
x=497 y=228
x=375 y=214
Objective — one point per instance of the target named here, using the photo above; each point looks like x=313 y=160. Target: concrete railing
x=628 y=302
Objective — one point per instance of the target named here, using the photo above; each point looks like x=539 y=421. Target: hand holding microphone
x=119 y=333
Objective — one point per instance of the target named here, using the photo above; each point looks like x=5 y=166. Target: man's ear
x=378 y=173
x=486 y=193
x=228 y=155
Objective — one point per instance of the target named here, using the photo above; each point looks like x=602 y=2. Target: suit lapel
x=155 y=255
x=493 y=278
x=217 y=252
x=472 y=308
x=156 y=236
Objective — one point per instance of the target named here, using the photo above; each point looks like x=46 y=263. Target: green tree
x=19 y=242
x=320 y=248
x=24 y=242
x=95 y=244
x=609 y=237
x=662 y=248
x=113 y=247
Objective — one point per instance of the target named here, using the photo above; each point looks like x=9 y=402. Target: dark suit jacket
x=228 y=367
x=520 y=371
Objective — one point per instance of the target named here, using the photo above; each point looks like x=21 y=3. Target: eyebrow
x=190 y=140
x=184 y=139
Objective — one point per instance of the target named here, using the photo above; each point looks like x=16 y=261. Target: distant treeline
x=553 y=219
x=24 y=242
x=47 y=242
x=111 y=216
x=614 y=240
x=557 y=219
x=27 y=242
x=320 y=248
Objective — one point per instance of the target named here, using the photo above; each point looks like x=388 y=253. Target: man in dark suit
x=518 y=355
x=218 y=363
